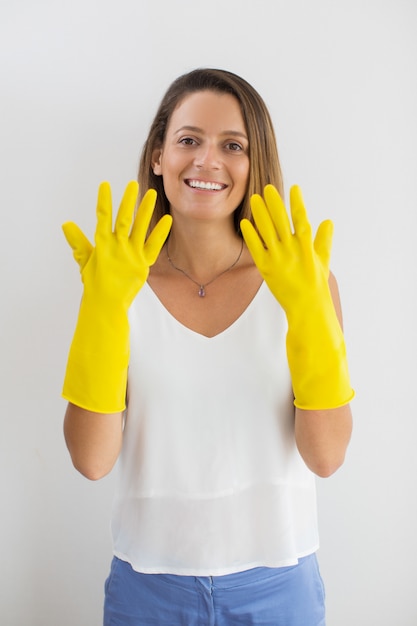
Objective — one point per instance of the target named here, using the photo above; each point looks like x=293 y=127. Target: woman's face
x=204 y=161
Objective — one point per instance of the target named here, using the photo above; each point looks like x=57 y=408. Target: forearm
x=322 y=438
x=93 y=439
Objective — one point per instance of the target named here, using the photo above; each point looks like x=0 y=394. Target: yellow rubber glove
x=296 y=269
x=112 y=272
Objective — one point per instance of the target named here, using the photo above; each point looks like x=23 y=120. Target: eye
x=233 y=146
x=187 y=141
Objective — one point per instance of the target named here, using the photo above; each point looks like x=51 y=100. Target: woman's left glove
x=112 y=272
x=296 y=269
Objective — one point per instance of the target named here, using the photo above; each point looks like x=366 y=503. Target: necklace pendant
x=201 y=288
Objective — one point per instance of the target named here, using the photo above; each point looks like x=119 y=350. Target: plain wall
x=80 y=82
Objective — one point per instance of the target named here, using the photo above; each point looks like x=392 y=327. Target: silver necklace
x=201 y=287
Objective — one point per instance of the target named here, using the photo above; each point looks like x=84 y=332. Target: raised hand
x=118 y=266
x=113 y=272
x=296 y=269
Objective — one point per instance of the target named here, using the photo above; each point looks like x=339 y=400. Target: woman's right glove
x=112 y=273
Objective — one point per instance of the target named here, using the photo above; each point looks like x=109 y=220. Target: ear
x=156 y=161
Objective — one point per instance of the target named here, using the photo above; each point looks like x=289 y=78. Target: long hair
x=264 y=163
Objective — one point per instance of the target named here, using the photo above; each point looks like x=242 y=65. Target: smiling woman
x=216 y=491
x=204 y=170
x=264 y=165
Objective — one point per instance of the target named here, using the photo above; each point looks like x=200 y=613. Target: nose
x=208 y=157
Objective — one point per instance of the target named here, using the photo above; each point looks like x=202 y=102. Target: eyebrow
x=195 y=129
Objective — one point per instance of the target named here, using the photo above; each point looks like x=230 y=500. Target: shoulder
x=334 y=287
x=334 y=290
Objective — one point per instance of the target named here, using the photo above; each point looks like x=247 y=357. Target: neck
x=203 y=252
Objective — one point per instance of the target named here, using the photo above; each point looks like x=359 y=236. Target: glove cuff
x=96 y=373
x=318 y=364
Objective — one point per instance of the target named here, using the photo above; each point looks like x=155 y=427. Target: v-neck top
x=210 y=478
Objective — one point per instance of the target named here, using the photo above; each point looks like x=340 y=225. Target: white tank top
x=210 y=479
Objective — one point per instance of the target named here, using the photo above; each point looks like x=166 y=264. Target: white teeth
x=199 y=184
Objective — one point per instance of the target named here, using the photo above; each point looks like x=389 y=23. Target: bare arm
x=322 y=437
x=94 y=440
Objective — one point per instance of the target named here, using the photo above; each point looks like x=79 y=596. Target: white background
x=80 y=81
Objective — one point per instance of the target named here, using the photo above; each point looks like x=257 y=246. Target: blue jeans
x=284 y=596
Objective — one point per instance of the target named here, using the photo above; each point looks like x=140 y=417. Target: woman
x=211 y=329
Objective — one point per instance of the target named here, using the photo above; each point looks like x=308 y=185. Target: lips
x=204 y=185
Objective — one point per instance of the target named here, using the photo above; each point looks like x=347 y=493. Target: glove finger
x=104 y=211
x=302 y=227
x=143 y=219
x=253 y=243
x=264 y=222
x=126 y=210
x=157 y=239
x=278 y=213
x=81 y=246
x=323 y=242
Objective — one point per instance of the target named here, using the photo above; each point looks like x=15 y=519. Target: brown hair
x=263 y=155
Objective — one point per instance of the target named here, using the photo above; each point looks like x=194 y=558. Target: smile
x=200 y=184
